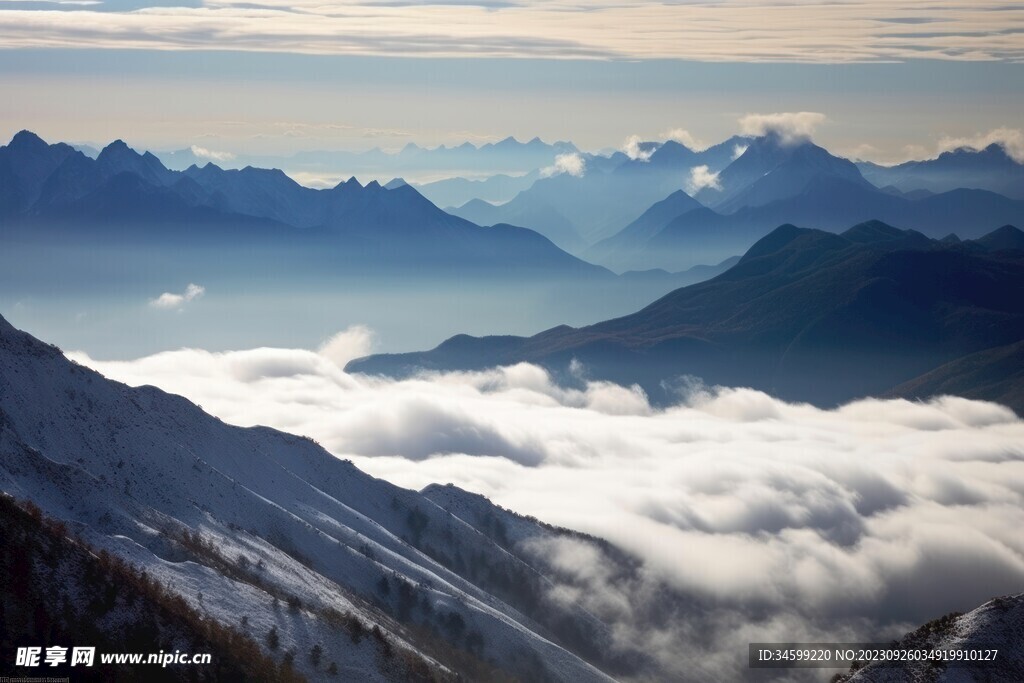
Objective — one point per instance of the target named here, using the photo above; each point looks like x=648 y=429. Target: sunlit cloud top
x=721 y=31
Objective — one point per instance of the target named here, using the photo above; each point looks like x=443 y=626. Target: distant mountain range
x=506 y=156
x=672 y=207
x=132 y=197
x=669 y=208
x=575 y=211
x=773 y=183
x=494 y=189
x=987 y=169
x=806 y=315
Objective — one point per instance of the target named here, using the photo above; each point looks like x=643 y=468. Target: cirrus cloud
x=723 y=31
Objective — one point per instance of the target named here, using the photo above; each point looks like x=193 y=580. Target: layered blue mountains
x=805 y=314
x=770 y=262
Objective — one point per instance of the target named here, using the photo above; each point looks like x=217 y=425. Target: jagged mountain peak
x=118 y=146
x=26 y=139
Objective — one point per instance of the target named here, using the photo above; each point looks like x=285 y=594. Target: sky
x=893 y=79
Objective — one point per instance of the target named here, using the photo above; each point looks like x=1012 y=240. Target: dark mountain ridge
x=132 y=198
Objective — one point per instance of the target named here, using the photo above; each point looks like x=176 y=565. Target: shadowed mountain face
x=54 y=190
x=986 y=169
x=805 y=315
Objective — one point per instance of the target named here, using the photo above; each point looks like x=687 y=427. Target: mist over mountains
x=991 y=168
x=806 y=315
x=505 y=156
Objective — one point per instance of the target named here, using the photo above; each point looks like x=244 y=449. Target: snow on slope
x=999 y=623
x=260 y=524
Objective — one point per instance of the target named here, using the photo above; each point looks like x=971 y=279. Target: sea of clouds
x=784 y=521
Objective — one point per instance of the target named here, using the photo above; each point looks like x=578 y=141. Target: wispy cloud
x=204 y=153
x=685 y=138
x=170 y=300
x=354 y=342
x=700 y=178
x=790 y=127
x=777 y=521
x=636 y=150
x=572 y=163
x=727 y=30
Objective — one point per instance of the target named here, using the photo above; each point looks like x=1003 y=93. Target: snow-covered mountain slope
x=58 y=592
x=268 y=533
x=998 y=624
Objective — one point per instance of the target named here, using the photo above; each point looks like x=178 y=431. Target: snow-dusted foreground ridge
x=999 y=622
x=267 y=532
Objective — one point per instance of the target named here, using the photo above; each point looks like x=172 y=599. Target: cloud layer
x=778 y=521
x=726 y=30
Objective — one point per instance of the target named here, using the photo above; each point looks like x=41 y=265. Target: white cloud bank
x=176 y=301
x=779 y=521
x=721 y=31
x=790 y=127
